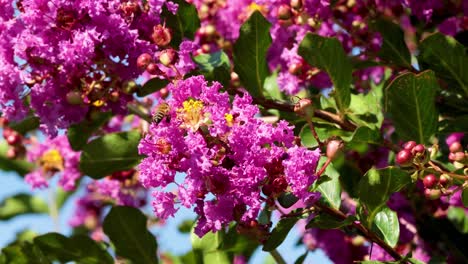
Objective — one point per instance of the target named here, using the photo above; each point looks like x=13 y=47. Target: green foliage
x=29 y=123
x=250 y=52
x=365 y=135
x=410 y=100
x=331 y=189
x=78 y=134
x=20 y=204
x=386 y=226
x=447 y=58
x=464 y=197
x=151 y=86
x=366 y=109
x=215 y=67
x=279 y=233
x=394 y=49
x=110 y=153
x=376 y=187
x=20 y=166
x=459 y=219
x=287 y=200
x=328 y=54
x=183 y=24
x=325 y=221
x=206 y=248
x=127 y=229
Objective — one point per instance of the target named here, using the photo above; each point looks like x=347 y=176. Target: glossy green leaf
x=271 y=87
x=127 y=229
x=459 y=218
x=394 y=49
x=279 y=233
x=324 y=131
x=365 y=135
x=24 y=253
x=331 y=190
x=207 y=246
x=328 y=54
x=287 y=200
x=80 y=249
x=20 y=166
x=29 y=123
x=151 y=86
x=301 y=258
x=376 y=187
x=410 y=99
x=250 y=52
x=183 y=24
x=464 y=197
x=110 y=153
x=366 y=109
x=386 y=226
x=78 y=134
x=447 y=58
x=237 y=243
x=325 y=221
x=22 y=204
x=215 y=66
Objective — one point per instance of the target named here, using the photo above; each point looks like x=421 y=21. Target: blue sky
x=169 y=239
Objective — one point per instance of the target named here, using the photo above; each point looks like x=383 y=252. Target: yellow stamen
x=192 y=113
x=98 y=103
x=229 y=119
x=51 y=161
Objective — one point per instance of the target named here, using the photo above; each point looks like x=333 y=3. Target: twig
x=442 y=171
x=277 y=256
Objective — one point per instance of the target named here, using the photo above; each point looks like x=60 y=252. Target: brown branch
x=366 y=232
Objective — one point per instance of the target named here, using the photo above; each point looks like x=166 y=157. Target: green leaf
x=31 y=122
x=287 y=200
x=366 y=109
x=328 y=54
x=126 y=228
x=464 y=197
x=326 y=221
x=215 y=66
x=185 y=226
x=110 y=153
x=271 y=87
x=447 y=57
x=24 y=253
x=237 y=243
x=301 y=259
x=151 y=86
x=394 y=49
x=81 y=249
x=376 y=187
x=183 y=24
x=250 y=52
x=22 y=204
x=365 y=135
x=410 y=99
x=459 y=218
x=324 y=131
x=387 y=226
x=78 y=134
x=279 y=233
x=20 y=166
x=208 y=246
x=331 y=190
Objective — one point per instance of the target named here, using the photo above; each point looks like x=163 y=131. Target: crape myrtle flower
x=231 y=160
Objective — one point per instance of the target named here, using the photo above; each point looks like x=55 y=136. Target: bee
x=162 y=111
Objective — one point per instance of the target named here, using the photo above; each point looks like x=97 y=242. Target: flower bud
x=457 y=156
x=409 y=145
x=13 y=139
x=432 y=194
x=164 y=93
x=333 y=148
x=74 y=98
x=430 y=181
x=114 y=96
x=418 y=149
x=404 y=158
x=143 y=60
x=129 y=87
x=153 y=69
x=161 y=35
x=445 y=180
x=456 y=147
x=168 y=57
x=129 y=8
x=3 y=121
x=284 y=12
x=304 y=107
x=295 y=68
x=296 y=4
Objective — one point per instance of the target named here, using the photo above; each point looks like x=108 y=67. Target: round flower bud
x=13 y=139
x=445 y=180
x=11 y=153
x=457 y=156
x=161 y=35
x=129 y=87
x=3 y=121
x=430 y=181
x=409 y=145
x=295 y=68
x=74 y=98
x=143 y=60
x=153 y=69
x=296 y=4
x=303 y=107
x=168 y=57
x=404 y=158
x=333 y=148
x=164 y=93
x=432 y=194
x=456 y=147
x=418 y=149
x=284 y=12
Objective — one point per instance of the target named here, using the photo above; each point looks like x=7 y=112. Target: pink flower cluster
x=231 y=161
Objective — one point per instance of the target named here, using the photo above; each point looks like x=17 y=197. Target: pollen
x=98 y=103
x=192 y=113
x=229 y=119
x=254 y=7
x=51 y=161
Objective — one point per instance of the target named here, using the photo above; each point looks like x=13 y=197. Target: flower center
x=192 y=113
x=51 y=161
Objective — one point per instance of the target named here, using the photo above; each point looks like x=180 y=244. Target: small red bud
x=114 y=96
x=295 y=68
x=409 y=145
x=445 y=180
x=432 y=194
x=11 y=153
x=143 y=60
x=3 y=121
x=296 y=4
x=129 y=8
x=333 y=148
x=430 y=181
x=457 y=156
x=404 y=158
x=303 y=107
x=74 y=98
x=153 y=69
x=418 y=149
x=284 y=12
x=164 y=93
x=168 y=57
x=161 y=35
x=13 y=139
x=456 y=147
